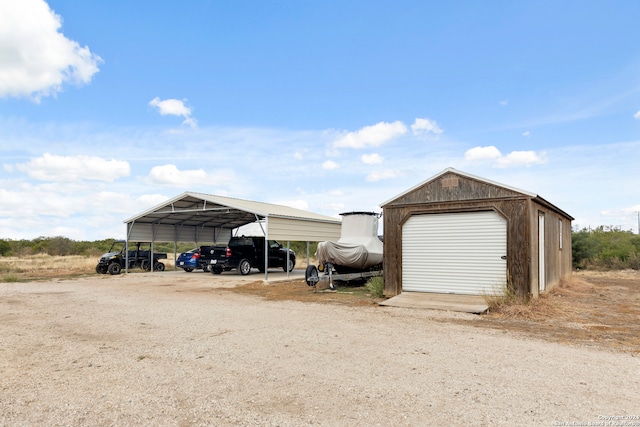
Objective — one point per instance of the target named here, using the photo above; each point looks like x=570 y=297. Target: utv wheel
x=101 y=269
x=244 y=267
x=292 y=264
x=158 y=266
x=114 y=268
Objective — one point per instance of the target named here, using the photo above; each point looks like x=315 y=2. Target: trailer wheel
x=311 y=275
x=244 y=267
x=158 y=266
x=114 y=268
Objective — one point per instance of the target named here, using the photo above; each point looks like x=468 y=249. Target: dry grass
x=599 y=309
x=43 y=266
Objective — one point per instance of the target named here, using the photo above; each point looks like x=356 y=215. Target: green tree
x=5 y=248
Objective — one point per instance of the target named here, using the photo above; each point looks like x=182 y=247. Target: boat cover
x=359 y=246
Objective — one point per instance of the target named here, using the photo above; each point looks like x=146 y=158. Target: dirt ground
x=194 y=349
x=595 y=309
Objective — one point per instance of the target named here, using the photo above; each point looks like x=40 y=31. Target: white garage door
x=459 y=253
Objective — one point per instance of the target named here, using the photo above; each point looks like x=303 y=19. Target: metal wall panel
x=141 y=232
x=458 y=253
x=295 y=230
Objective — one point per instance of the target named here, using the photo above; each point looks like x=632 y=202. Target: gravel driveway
x=174 y=350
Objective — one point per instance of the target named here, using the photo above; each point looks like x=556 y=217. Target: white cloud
x=425 y=127
x=380 y=175
x=170 y=175
x=637 y=115
x=35 y=58
x=333 y=207
x=147 y=201
x=504 y=102
x=330 y=164
x=526 y=134
x=482 y=153
x=174 y=107
x=371 y=136
x=521 y=158
x=372 y=159
x=55 y=168
x=515 y=158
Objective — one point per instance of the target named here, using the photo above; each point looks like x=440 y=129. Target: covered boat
x=359 y=247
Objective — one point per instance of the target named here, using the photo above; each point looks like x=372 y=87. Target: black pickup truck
x=244 y=253
x=212 y=258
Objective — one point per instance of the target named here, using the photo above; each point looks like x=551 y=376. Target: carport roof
x=192 y=209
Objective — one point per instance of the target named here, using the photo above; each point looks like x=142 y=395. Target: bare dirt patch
x=597 y=309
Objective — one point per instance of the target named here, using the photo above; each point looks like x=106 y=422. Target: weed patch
x=375 y=286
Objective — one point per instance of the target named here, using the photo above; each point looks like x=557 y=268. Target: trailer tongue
x=356 y=255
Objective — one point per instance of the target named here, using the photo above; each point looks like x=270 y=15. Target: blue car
x=188 y=261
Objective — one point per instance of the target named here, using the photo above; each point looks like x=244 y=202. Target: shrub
x=375 y=286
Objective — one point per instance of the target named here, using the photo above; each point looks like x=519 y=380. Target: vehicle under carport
x=198 y=217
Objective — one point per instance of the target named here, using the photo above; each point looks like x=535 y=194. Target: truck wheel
x=158 y=266
x=292 y=264
x=216 y=269
x=244 y=267
x=114 y=268
x=311 y=275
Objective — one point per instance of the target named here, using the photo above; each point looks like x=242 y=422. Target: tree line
x=63 y=246
x=605 y=247
x=602 y=247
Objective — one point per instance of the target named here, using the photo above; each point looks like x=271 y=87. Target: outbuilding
x=457 y=233
x=197 y=217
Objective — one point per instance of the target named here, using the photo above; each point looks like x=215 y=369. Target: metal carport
x=198 y=217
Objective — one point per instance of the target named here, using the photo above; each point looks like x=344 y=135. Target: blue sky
x=109 y=108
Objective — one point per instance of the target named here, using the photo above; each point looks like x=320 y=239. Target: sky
x=110 y=108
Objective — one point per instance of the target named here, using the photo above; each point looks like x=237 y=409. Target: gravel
x=175 y=350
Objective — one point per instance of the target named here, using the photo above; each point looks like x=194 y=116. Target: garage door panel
x=454 y=253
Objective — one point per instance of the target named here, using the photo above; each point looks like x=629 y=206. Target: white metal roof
x=204 y=217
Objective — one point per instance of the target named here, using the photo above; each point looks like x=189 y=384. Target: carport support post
x=265 y=231
x=308 y=244
x=126 y=246
x=287 y=259
x=266 y=258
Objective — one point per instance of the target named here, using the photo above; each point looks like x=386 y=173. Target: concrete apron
x=451 y=302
